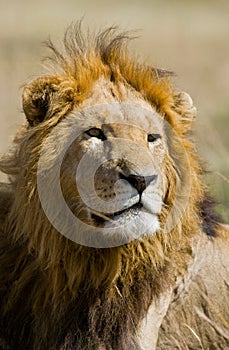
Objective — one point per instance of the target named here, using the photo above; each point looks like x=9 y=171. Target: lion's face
x=110 y=169
x=112 y=154
x=118 y=176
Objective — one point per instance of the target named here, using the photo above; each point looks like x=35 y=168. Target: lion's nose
x=139 y=182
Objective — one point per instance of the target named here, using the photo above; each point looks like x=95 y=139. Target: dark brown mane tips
x=210 y=218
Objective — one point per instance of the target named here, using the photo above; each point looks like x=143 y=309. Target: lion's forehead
x=125 y=107
x=116 y=117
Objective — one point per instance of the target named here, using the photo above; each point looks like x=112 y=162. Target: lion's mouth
x=103 y=217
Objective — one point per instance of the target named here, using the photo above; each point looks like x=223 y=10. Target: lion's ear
x=185 y=108
x=37 y=97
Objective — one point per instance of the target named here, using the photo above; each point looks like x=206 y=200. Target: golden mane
x=79 y=296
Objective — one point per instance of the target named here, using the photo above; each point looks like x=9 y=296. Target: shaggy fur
x=56 y=294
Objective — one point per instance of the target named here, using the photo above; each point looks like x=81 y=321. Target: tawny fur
x=56 y=294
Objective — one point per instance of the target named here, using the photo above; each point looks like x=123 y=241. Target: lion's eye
x=153 y=137
x=96 y=132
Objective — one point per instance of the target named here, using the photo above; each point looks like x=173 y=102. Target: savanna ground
x=187 y=37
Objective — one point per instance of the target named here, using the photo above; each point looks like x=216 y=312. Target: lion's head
x=112 y=158
x=112 y=153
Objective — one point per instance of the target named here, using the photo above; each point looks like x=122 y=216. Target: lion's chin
x=128 y=226
x=101 y=218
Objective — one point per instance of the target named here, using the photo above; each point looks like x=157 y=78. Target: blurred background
x=190 y=38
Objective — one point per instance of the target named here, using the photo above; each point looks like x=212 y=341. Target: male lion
x=107 y=237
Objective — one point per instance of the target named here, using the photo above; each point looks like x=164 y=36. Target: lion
x=108 y=238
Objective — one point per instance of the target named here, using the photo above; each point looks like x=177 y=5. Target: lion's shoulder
x=198 y=315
